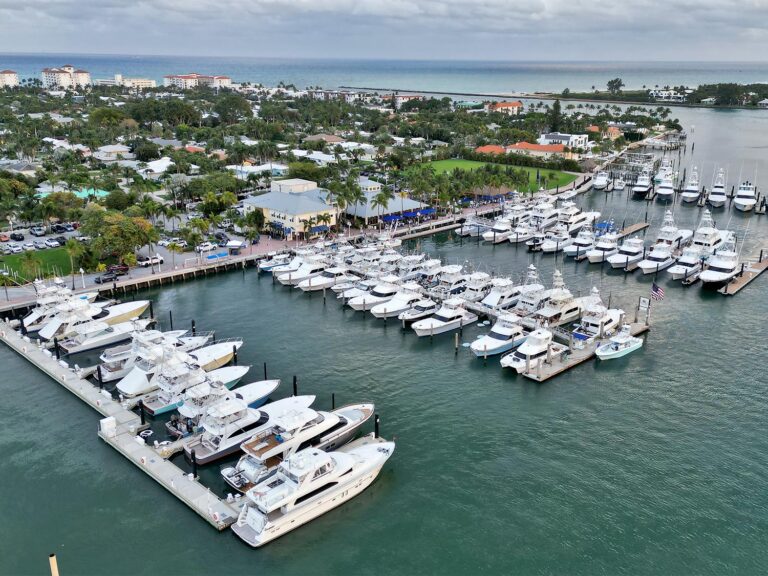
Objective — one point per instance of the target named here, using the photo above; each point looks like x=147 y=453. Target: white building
x=571 y=141
x=667 y=95
x=193 y=80
x=113 y=153
x=65 y=77
x=8 y=79
x=135 y=83
x=367 y=185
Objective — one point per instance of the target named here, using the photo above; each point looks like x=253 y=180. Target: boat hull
x=442 y=328
x=482 y=352
x=605 y=354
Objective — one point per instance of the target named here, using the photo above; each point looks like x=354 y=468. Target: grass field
x=49 y=262
x=562 y=178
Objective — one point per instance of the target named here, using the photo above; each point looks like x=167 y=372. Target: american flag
x=657 y=292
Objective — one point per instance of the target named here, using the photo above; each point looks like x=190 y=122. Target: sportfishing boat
x=746 y=197
x=620 y=345
x=598 y=320
x=478 y=285
x=533 y=295
x=707 y=237
x=556 y=239
x=507 y=333
x=601 y=180
x=173 y=383
x=472 y=228
x=97 y=334
x=420 y=310
x=666 y=169
x=723 y=265
x=630 y=251
x=451 y=316
x=231 y=422
x=383 y=292
x=499 y=232
x=533 y=351
x=409 y=267
x=358 y=288
x=327 y=278
x=307 y=485
x=504 y=294
x=291 y=266
x=583 y=243
x=605 y=246
x=522 y=233
x=404 y=299
x=717 y=195
x=215 y=355
x=692 y=190
x=49 y=298
x=670 y=234
x=451 y=281
x=543 y=216
x=517 y=213
x=309 y=269
x=643 y=184
x=688 y=265
x=273 y=261
x=75 y=313
x=199 y=398
x=289 y=433
x=619 y=184
x=660 y=257
x=573 y=218
x=666 y=190
x=560 y=308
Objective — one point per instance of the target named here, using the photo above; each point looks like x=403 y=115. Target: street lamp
x=82 y=277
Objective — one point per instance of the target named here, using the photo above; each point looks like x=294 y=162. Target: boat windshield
x=423 y=308
x=722 y=269
x=381 y=293
x=502 y=337
x=444 y=318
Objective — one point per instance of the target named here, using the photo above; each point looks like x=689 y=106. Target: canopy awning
x=427 y=211
x=392 y=217
x=321 y=228
x=411 y=214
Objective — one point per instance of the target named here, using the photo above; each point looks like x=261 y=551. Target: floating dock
x=120 y=428
x=750 y=271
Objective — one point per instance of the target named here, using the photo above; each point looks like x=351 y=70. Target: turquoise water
x=655 y=463
x=461 y=76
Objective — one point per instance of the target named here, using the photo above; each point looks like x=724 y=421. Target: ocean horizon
x=477 y=76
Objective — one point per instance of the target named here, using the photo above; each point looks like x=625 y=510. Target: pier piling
x=456 y=344
x=141 y=413
x=170 y=318
x=56 y=348
x=99 y=377
x=151 y=310
x=54 y=565
x=234 y=355
x=376 y=426
x=194 y=328
x=265 y=370
x=333 y=401
x=295 y=386
x=193 y=457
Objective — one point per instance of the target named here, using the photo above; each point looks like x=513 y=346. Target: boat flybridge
x=228 y=424
x=473 y=227
x=308 y=269
x=643 y=184
x=556 y=239
x=723 y=265
x=451 y=281
x=504 y=294
x=533 y=295
x=543 y=216
x=688 y=265
x=478 y=285
x=619 y=184
x=661 y=257
x=385 y=289
x=573 y=218
x=291 y=432
x=598 y=320
x=326 y=279
x=98 y=334
x=666 y=190
x=601 y=180
x=506 y=333
x=670 y=234
x=560 y=308
x=583 y=243
x=630 y=252
x=666 y=169
x=692 y=190
x=273 y=260
x=605 y=246
x=451 y=316
x=707 y=237
x=537 y=347
x=306 y=485
x=421 y=309
x=49 y=297
x=746 y=197
x=74 y=313
x=522 y=232
x=406 y=297
x=717 y=195
x=499 y=232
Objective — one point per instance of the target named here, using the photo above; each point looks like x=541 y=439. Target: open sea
x=653 y=464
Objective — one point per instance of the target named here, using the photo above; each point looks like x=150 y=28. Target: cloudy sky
x=430 y=29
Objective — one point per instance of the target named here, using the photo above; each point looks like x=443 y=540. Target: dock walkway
x=123 y=436
x=750 y=272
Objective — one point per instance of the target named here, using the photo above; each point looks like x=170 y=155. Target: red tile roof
x=7 y=72
x=491 y=149
x=527 y=146
x=500 y=105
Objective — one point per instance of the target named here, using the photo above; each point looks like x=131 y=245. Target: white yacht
x=291 y=266
x=410 y=266
x=507 y=333
x=449 y=317
x=692 y=190
x=478 y=286
x=290 y=433
x=598 y=320
x=543 y=216
x=307 y=485
x=98 y=334
x=688 y=265
x=522 y=232
x=533 y=295
x=383 y=292
x=472 y=228
x=404 y=299
x=605 y=246
x=420 y=310
x=228 y=424
x=707 y=237
x=666 y=190
x=73 y=314
x=619 y=345
x=630 y=251
x=326 y=279
x=661 y=257
x=601 y=180
x=583 y=243
x=560 y=308
x=670 y=234
x=308 y=269
x=533 y=351
x=643 y=184
x=723 y=265
x=273 y=260
x=504 y=294
x=451 y=281
x=359 y=288
x=666 y=169
x=49 y=298
x=572 y=217
x=619 y=184
x=746 y=197
x=556 y=239
x=499 y=232
x=717 y=196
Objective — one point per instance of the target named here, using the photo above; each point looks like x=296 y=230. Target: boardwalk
x=750 y=272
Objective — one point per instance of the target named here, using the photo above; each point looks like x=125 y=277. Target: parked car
x=51 y=243
x=15 y=248
x=58 y=228
x=17 y=236
x=83 y=238
x=145 y=261
x=69 y=227
x=118 y=269
x=28 y=246
x=40 y=245
x=4 y=237
x=105 y=278
x=221 y=236
x=61 y=240
x=205 y=247
x=37 y=231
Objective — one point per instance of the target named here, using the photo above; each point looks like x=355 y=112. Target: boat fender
x=143 y=460
x=216 y=516
x=24 y=349
x=98 y=402
x=145 y=433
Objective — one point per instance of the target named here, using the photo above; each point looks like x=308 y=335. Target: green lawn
x=51 y=261
x=562 y=178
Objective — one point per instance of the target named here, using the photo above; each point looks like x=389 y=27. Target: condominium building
x=120 y=80
x=8 y=79
x=65 y=77
x=193 y=80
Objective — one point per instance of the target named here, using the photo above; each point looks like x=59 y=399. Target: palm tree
x=174 y=248
x=381 y=201
x=251 y=234
x=308 y=223
x=74 y=250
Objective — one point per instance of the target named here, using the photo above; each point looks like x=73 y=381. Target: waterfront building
x=9 y=79
x=396 y=208
x=65 y=77
x=244 y=170
x=508 y=108
x=763 y=103
x=326 y=138
x=193 y=80
x=133 y=83
x=709 y=101
x=113 y=153
x=491 y=149
x=572 y=141
x=669 y=95
x=540 y=150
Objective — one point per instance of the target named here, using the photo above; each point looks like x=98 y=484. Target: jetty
x=120 y=428
x=749 y=271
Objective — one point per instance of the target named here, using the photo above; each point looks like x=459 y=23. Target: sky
x=394 y=29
